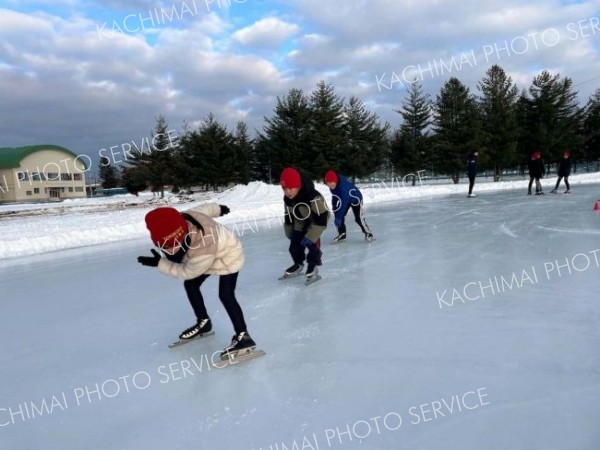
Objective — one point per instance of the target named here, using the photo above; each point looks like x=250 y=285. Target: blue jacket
x=344 y=195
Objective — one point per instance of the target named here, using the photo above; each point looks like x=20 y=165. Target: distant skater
x=564 y=170
x=345 y=195
x=536 y=172
x=472 y=170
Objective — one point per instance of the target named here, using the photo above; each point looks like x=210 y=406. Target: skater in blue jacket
x=346 y=195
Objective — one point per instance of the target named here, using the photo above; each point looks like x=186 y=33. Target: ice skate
x=202 y=329
x=292 y=271
x=568 y=191
x=312 y=274
x=369 y=237
x=471 y=196
x=241 y=344
x=554 y=191
x=340 y=237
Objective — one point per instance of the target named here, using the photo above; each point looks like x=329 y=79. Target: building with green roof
x=41 y=173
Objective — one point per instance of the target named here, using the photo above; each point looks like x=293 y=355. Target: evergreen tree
x=286 y=134
x=210 y=154
x=156 y=162
x=365 y=141
x=498 y=106
x=108 y=174
x=456 y=124
x=591 y=128
x=326 y=131
x=552 y=119
x=133 y=179
x=409 y=145
x=243 y=154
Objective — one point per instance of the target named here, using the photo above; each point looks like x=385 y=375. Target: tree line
x=321 y=131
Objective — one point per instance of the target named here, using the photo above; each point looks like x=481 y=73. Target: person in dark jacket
x=306 y=216
x=537 y=170
x=564 y=170
x=345 y=195
x=472 y=170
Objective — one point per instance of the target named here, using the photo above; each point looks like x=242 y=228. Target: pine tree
x=108 y=174
x=409 y=145
x=365 y=141
x=591 y=128
x=156 y=162
x=286 y=134
x=326 y=131
x=498 y=106
x=456 y=124
x=133 y=179
x=552 y=119
x=243 y=154
x=209 y=152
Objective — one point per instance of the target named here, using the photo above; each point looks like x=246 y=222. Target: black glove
x=151 y=261
x=224 y=210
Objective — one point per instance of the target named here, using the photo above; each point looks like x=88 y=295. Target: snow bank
x=28 y=229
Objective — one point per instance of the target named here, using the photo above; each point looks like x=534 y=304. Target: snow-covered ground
x=93 y=221
x=467 y=324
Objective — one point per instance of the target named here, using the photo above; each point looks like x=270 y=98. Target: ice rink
x=467 y=324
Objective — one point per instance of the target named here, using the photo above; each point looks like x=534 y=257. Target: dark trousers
x=359 y=218
x=298 y=251
x=471 y=183
x=227 y=285
x=538 y=184
x=566 y=182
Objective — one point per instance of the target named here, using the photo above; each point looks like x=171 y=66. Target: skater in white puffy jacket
x=195 y=246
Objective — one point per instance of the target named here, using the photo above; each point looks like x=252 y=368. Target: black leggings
x=538 y=184
x=359 y=218
x=298 y=251
x=566 y=182
x=227 y=285
x=471 y=183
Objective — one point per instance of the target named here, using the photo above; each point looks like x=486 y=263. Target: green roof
x=11 y=157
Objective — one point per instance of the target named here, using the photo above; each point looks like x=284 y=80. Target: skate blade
x=288 y=276
x=187 y=341
x=238 y=357
x=312 y=280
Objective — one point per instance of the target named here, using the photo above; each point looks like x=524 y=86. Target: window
x=37 y=176
x=65 y=177
x=62 y=189
x=52 y=176
x=78 y=189
x=28 y=193
x=36 y=190
x=77 y=177
x=70 y=189
x=23 y=176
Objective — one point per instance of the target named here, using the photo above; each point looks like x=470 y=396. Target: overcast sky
x=89 y=75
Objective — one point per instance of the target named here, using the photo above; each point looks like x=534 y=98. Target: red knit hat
x=167 y=226
x=290 y=178
x=331 y=177
x=566 y=154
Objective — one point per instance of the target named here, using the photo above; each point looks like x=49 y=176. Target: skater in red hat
x=537 y=170
x=564 y=170
x=345 y=195
x=306 y=216
x=195 y=246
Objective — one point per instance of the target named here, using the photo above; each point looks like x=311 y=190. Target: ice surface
x=375 y=339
